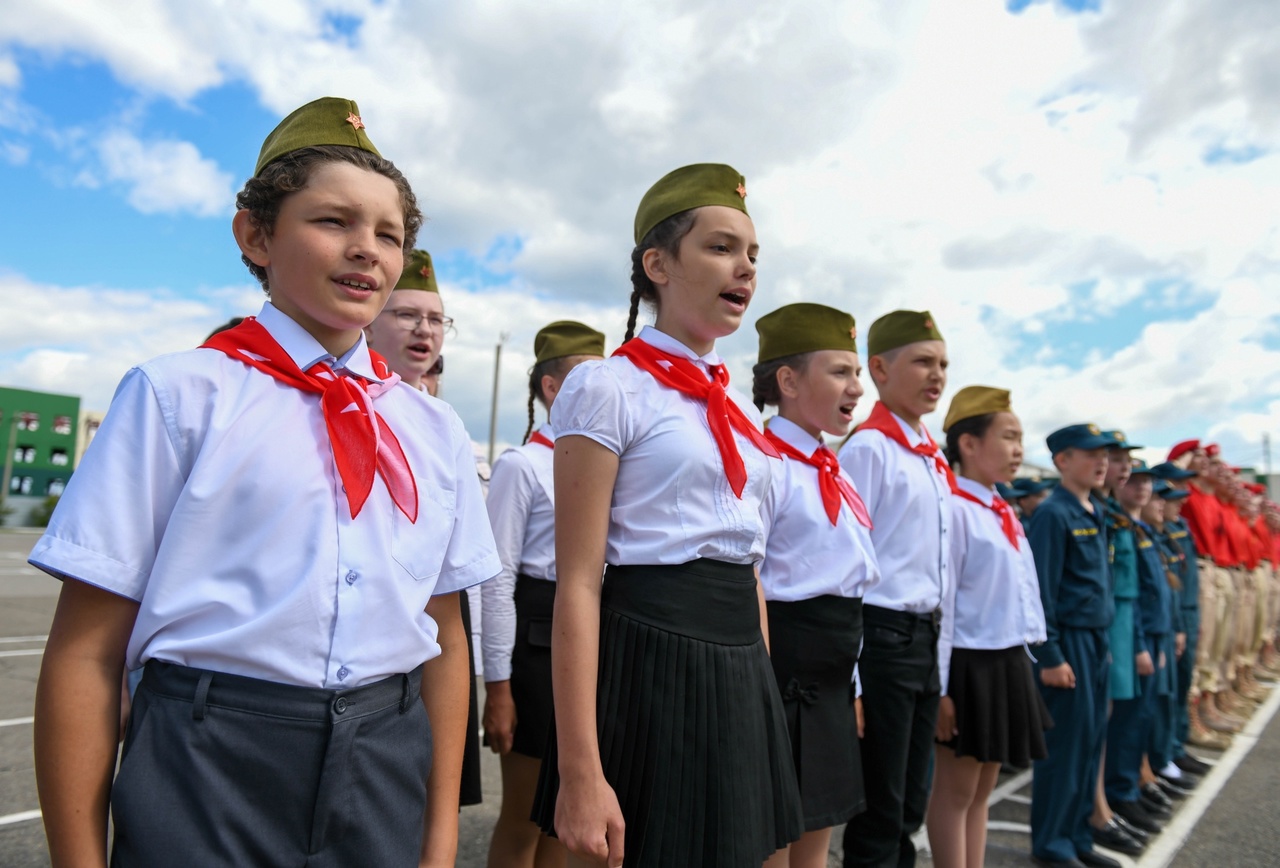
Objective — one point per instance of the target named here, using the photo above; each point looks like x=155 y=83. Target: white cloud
x=165 y=177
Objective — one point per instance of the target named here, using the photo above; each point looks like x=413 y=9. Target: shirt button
x=340 y=704
x=352 y=575
x=343 y=672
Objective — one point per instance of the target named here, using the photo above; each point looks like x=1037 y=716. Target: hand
x=1061 y=676
x=857 y=713
x=499 y=719
x=946 y=728
x=1145 y=666
x=589 y=822
x=1179 y=644
x=1163 y=662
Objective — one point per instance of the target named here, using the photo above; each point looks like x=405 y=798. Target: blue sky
x=1087 y=218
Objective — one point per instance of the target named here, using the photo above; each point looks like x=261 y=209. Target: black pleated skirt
x=1000 y=714
x=469 y=793
x=692 y=735
x=531 y=665
x=813 y=648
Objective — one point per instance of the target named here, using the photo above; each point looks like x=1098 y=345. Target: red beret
x=1180 y=449
x=1256 y=487
x=1212 y=450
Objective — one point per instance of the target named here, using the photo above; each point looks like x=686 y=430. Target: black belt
x=907 y=620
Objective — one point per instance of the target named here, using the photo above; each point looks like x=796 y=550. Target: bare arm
x=446 y=694
x=588 y=819
x=78 y=720
x=764 y=611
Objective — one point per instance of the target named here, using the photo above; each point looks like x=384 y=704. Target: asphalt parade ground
x=1231 y=819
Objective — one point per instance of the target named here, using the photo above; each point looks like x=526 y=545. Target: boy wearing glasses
x=409 y=333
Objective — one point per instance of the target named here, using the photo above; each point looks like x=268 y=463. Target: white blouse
x=806 y=555
x=671 y=502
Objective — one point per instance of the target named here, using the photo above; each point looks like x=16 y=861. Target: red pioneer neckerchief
x=723 y=415
x=361 y=440
x=882 y=420
x=832 y=485
x=539 y=437
x=1001 y=508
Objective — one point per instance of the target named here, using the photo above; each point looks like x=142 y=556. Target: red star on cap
x=354 y=120
x=853 y=333
x=425 y=271
x=928 y=323
x=742 y=191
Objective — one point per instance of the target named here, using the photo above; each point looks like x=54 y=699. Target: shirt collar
x=793 y=435
x=668 y=344
x=977 y=489
x=305 y=350
x=913 y=438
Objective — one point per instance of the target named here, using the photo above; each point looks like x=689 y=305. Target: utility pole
x=1266 y=458
x=493 y=403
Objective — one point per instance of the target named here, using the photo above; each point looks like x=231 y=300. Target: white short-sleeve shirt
x=671 y=502
x=910 y=506
x=210 y=496
x=522 y=510
x=805 y=555
x=994 y=600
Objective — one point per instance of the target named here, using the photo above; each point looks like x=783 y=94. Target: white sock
x=1172 y=772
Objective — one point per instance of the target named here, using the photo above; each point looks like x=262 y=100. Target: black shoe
x=1154 y=794
x=1185 y=781
x=1096 y=860
x=1172 y=789
x=1113 y=837
x=1131 y=830
x=1137 y=816
x=1154 y=808
x=1194 y=765
x=1057 y=863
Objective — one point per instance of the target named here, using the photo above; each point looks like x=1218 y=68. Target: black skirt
x=814 y=646
x=690 y=723
x=470 y=791
x=531 y=665
x=1000 y=714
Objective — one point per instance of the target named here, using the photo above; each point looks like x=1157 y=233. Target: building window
x=24 y=455
x=56 y=486
x=62 y=425
x=20 y=485
x=28 y=421
x=58 y=457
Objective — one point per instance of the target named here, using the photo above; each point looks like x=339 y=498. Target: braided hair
x=551 y=367
x=666 y=236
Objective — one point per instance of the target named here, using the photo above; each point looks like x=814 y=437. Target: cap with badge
x=418 y=273
x=1119 y=441
x=329 y=120
x=566 y=338
x=1025 y=487
x=805 y=328
x=687 y=188
x=976 y=401
x=1171 y=472
x=1138 y=467
x=1163 y=490
x=900 y=328
x=1087 y=436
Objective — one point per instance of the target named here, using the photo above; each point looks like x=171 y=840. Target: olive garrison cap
x=1086 y=436
x=329 y=120
x=690 y=187
x=804 y=328
x=900 y=328
x=418 y=272
x=976 y=401
x=566 y=338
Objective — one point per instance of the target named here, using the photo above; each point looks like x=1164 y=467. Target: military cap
x=418 y=272
x=1086 y=436
x=804 y=328
x=900 y=328
x=1212 y=450
x=690 y=187
x=976 y=401
x=1119 y=441
x=566 y=338
x=1138 y=467
x=329 y=120
x=1165 y=491
x=1171 y=472
x=1007 y=492
x=1182 y=448
x=1024 y=487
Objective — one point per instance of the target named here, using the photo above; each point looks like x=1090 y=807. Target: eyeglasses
x=411 y=319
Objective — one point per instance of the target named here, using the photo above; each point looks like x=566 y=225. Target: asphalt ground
x=1232 y=820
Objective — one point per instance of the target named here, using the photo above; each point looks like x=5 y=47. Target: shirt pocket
x=420 y=547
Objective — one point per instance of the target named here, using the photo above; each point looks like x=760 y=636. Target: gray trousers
x=225 y=770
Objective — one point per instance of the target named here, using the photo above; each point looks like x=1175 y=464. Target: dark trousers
x=1063 y=784
x=1132 y=732
x=1186 y=675
x=900 y=688
x=224 y=770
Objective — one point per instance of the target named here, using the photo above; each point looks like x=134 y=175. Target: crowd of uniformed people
x=273 y=534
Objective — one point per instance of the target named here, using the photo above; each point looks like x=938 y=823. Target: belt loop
x=202 y=693
x=405 y=693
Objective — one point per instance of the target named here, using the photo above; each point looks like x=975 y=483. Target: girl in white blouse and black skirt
x=991 y=711
x=818 y=561
x=671 y=745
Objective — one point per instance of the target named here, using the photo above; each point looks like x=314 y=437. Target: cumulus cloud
x=165 y=177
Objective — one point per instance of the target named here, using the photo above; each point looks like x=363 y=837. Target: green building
x=39 y=430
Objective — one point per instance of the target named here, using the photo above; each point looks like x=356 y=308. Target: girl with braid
x=516 y=639
x=671 y=744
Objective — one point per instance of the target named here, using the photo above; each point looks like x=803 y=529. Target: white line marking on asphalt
x=24 y=638
x=17 y=721
x=23 y=652
x=20 y=817
x=1166 y=846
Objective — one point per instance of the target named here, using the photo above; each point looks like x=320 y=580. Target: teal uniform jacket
x=1188 y=571
x=1126 y=628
